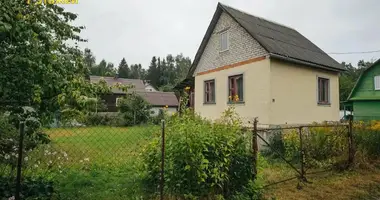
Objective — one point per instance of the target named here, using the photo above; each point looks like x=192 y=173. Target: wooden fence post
x=255 y=147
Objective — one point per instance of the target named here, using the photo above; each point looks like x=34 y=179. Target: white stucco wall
x=150 y=88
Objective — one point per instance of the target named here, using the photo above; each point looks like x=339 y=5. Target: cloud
x=138 y=30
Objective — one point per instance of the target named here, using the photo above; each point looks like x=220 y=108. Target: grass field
x=93 y=162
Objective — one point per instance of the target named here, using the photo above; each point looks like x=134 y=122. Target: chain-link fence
x=301 y=150
x=74 y=161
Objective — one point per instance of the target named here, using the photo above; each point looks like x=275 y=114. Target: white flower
x=35 y=165
x=54 y=153
x=11 y=198
x=26 y=158
x=59 y=158
x=60 y=171
x=50 y=162
x=86 y=159
x=7 y=156
x=64 y=154
x=81 y=161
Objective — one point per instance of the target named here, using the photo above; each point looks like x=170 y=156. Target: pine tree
x=152 y=74
x=123 y=69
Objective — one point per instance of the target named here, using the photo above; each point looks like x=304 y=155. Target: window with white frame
x=224 y=41
x=377 y=82
x=323 y=90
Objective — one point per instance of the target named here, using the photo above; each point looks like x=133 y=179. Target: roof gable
x=360 y=84
x=280 y=41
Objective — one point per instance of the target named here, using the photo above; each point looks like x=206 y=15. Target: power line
x=355 y=52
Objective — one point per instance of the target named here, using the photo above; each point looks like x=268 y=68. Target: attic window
x=224 y=41
x=377 y=82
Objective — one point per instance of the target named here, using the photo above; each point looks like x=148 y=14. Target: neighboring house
x=278 y=74
x=365 y=96
x=149 y=87
x=158 y=100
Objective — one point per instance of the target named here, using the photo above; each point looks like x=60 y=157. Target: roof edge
x=360 y=77
x=297 y=61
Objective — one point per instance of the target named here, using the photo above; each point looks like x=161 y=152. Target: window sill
x=324 y=104
x=233 y=102
x=209 y=103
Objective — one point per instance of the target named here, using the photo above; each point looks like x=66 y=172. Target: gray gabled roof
x=138 y=85
x=160 y=98
x=281 y=42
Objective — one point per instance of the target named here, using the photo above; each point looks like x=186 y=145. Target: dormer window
x=224 y=43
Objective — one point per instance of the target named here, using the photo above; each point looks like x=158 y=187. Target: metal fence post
x=303 y=178
x=19 y=160
x=351 y=150
x=255 y=147
x=162 y=182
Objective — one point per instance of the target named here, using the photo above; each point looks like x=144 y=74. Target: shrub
x=367 y=138
x=134 y=109
x=203 y=159
x=96 y=119
x=32 y=188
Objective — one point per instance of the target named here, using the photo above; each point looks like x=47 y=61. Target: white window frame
x=117 y=100
x=221 y=35
x=377 y=82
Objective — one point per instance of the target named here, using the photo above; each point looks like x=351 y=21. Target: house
x=277 y=74
x=158 y=100
x=364 y=98
x=149 y=87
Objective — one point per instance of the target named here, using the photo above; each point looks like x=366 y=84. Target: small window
x=118 y=100
x=236 y=90
x=209 y=91
x=377 y=82
x=224 y=41
x=323 y=91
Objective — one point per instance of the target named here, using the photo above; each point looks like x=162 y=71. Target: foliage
x=37 y=62
x=322 y=145
x=203 y=159
x=134 y=109
x=97 y=119
x=9 y=136
x=349 y=77
x=123 y=70
x=367 y=138
x=32 y=188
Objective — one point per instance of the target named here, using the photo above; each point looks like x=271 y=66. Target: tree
x=135 y=71
x=110 y=70
x=153 y=73
x=39 y=67
x=123 y=70
x=135 y=109
x=89 y=61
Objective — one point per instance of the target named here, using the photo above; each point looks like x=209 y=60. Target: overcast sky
x=138 y=29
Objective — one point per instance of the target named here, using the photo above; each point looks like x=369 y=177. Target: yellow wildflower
x=187 y=88
x=166 y=106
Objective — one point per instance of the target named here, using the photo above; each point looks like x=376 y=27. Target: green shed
x=365 y=96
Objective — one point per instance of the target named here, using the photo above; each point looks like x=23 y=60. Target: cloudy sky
x=138 y=29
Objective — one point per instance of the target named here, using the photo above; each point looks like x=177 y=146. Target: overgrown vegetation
x=203 y=159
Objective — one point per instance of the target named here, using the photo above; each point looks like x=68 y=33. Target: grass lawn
x=93 y=162
x=359 y=184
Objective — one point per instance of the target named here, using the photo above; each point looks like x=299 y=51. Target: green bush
x=202 y=159
x=134 y=110
x=31 y=188
x=367 y=138
x=96 y=119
